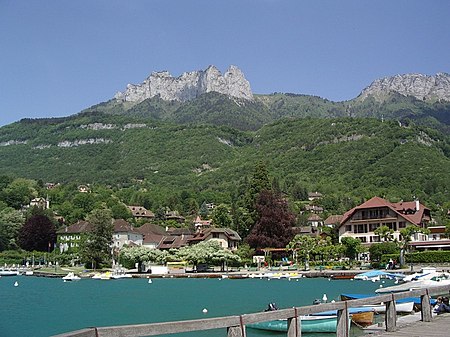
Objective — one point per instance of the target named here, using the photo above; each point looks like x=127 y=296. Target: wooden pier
x=235 y=326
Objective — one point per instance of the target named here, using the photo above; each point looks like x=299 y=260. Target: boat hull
x=309 y=324
x=363 y=318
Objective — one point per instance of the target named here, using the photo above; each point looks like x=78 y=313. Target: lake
x=40 y=306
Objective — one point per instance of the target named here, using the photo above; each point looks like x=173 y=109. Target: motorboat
x=102 y=276
x=71 y=277
x=9 y=272
x=439 y=279
x=377 y=275
x=120 y=274
x=417 y=302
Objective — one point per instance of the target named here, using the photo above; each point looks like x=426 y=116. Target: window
x=348 y=228
x=215 y=235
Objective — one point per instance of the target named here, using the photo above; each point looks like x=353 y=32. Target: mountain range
x=205 y=132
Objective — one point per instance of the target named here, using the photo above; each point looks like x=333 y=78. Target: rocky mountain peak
x=423 y=87
x=189 y=85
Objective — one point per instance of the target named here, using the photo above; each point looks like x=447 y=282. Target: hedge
x=431 y=256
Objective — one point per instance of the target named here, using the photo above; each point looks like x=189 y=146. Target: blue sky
x=58 y=57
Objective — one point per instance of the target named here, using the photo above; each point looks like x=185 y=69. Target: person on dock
x=442 y=306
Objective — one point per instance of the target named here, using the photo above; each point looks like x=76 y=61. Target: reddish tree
x=38 y=233
x=274 y=225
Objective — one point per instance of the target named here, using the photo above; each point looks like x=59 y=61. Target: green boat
x=308 y=324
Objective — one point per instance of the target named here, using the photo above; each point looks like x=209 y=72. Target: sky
x=58 y=57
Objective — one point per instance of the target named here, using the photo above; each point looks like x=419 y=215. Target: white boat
x=71 y=277
x=377 y=275
x=120 y=275
x=403 y=307
x=426 y=273
x=9 y=272
x=440 y=279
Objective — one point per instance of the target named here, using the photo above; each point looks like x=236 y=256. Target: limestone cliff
x=189 y=85
x=422 y=87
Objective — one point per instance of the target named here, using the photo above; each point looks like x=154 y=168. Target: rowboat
x=308 y=324
x=363 y=318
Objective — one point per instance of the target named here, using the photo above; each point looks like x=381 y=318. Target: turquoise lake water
x=41 y=307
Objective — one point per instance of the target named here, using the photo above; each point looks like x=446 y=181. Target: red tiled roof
x=79 y=227
x=150 y=228
x=377 y=202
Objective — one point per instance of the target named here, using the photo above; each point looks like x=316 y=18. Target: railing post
x=294 y=326
x=391 y=315
x=237 y=331
x=426 y=307
x=343 y=320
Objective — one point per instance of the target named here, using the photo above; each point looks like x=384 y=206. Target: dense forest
x=207 y=149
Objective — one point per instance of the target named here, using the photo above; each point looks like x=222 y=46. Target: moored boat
x=363 y=318
x=71 y=277
x=9 y=272
x=309 y=324
x=416 y=302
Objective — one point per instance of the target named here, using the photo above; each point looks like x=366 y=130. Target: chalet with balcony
x=227 y=238
x=140 y=212
x=361 y=222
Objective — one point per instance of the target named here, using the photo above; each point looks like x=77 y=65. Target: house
x=314 y=209
x=152 y=235
x=314 y=196
x=333 y=220
x=40 y=203
x=68 y=238
x=314 y=221
x=361 y=221
x=174 y=215
x=175 y=238
x=140 y=212
x=125 y=234
x=200 y=224
x=226 y=237
x=84 y=189
x=437 y=240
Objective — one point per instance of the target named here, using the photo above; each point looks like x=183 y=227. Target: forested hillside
x=341 y=157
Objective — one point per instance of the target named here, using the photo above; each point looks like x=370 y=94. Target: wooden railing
x=235 y=325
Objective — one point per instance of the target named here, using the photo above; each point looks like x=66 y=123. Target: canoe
x=308 y=324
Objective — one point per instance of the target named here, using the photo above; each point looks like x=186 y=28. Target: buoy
x=16 y=284
x=205 y=310
x=332 y=301
x=150 y=280
x=324 y=298
x=381 y=286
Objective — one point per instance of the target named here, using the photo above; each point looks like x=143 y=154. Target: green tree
x=406 y=237
x=221 y=217
x=259 y=182
x=384 y=232
x=302 y=246
x=20 y=192
x=11 y=221
x=352 y=247
x=377 y=250
x=96 y=247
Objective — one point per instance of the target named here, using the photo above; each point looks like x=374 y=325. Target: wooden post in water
x=294 y=327
x=342 y=325
x=426 y=307
x=236 y=331
x=391 y=315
